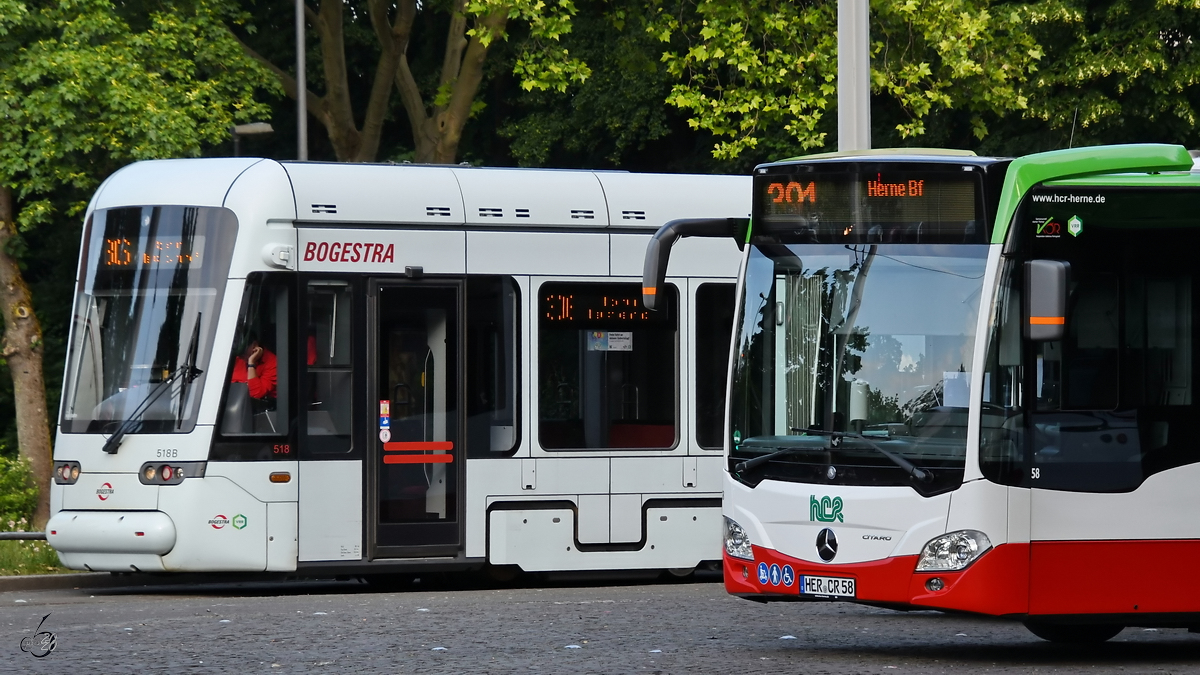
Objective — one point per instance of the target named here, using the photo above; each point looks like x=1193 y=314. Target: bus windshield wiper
x=911 y=469
x=187 y=371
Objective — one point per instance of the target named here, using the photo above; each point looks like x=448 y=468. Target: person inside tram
x=257 y=368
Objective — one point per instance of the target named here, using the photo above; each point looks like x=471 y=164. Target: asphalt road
x=308 y=627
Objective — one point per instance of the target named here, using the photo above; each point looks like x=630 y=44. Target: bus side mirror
x=658 y=251
x=1046 y=284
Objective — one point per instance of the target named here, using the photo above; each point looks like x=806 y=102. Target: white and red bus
x=966 y=383
x=348 y=369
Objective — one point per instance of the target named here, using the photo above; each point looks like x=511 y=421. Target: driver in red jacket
x=257 y=368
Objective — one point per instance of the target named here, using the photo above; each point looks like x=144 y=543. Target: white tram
x=331 y=368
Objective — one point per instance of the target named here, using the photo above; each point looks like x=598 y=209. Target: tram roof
x=377 y=195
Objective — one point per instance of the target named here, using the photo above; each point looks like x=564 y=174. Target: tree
x=1115 y=72
x=764 y=72
x=438 y=104
x=84 y=87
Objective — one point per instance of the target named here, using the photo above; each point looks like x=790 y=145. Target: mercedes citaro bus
x=966 y=383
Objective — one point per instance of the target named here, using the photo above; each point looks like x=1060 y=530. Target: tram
x=965 y=383
x=347 y=369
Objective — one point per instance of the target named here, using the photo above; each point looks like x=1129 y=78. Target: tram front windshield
x=856 y=332
x=150 y=287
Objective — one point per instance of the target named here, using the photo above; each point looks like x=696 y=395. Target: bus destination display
x=892 y=198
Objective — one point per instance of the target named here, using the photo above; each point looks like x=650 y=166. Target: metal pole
x=854 y=76
x=301 y=88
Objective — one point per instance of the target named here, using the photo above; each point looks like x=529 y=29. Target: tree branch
x=456 y=42
x=313 y=103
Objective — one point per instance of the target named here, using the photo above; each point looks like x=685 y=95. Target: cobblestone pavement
x=622 y=628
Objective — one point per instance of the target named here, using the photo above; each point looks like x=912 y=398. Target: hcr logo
x=825 y=509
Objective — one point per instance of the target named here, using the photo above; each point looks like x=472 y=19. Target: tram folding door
x=417 y=457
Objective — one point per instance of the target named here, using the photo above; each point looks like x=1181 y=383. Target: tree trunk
x=22 y=348
x=438 y=133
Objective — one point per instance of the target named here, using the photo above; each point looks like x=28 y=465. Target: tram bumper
x=995 y=584
x=115 y=541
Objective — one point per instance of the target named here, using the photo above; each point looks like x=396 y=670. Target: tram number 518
x=1035 y=473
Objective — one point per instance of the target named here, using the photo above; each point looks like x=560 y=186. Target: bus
x=964 y=383
x=336 y=369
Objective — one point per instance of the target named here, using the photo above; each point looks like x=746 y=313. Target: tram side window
x=329 y=366
x=493 y=366
x=607 y=367
x=258 y=394
x=714 y=324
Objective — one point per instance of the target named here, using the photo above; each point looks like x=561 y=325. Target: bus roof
x=1092 y=162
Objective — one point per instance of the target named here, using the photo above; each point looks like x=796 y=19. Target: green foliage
x=607 y=119
x=542 y=62
x=18 y=494
x=765 y=70
x=82 y=92
x=1120 y=71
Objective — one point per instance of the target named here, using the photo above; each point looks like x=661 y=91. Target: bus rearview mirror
x=1046 y=286
x=658 y=251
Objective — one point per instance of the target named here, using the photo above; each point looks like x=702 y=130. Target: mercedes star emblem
x=831 y=473
x=826 y=544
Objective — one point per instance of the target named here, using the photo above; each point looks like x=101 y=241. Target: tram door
x=418 y=452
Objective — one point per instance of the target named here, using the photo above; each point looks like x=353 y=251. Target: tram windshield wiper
x=911 y=469
x=188 y=371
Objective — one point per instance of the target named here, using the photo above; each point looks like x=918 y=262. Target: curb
x=44 y=582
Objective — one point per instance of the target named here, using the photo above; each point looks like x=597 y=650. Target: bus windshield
x=844 y=350
x=150 y=287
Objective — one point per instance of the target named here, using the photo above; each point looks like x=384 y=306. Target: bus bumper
x=996 y=584
x=115 y=541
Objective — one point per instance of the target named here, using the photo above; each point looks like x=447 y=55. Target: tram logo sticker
x=104 y=491
x=825 y=510
x=219 y=521
x=239 y=522
x=1075 y=226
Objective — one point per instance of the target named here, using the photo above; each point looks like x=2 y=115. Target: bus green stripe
x=1028 y=171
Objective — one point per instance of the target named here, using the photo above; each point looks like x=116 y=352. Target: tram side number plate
x=829 y=587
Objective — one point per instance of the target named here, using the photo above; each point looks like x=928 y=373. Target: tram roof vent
x=324 y=208
x=437 y=211
x=586 y=214
x=490 y=212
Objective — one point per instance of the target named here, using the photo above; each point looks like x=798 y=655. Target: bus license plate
x=835 y=587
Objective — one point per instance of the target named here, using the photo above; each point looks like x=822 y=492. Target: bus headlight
x=737 y=542
x=953 y=551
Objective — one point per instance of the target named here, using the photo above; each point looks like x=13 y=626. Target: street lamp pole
x=854 y=76
x=301 y=88
x=252 y=129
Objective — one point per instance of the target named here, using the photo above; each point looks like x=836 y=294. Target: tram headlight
x=66 y=473
x=953 y=551
x=737 y=542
